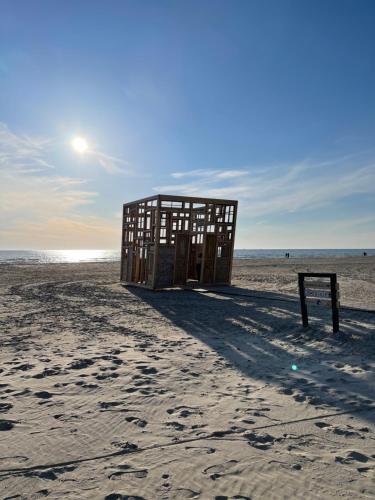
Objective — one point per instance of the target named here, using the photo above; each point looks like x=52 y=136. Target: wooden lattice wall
x=178 y=241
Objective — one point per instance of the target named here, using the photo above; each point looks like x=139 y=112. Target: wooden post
x=157 y=243
x=301 y=286
x=122 y=244
x=335 y=308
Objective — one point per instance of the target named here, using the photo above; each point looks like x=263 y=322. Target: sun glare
x=79 y=144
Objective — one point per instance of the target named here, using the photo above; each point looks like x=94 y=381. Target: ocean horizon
x=75 y=256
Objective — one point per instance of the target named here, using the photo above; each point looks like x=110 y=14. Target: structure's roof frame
x=191 y=199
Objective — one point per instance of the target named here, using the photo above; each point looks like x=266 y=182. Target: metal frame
x=167 y=240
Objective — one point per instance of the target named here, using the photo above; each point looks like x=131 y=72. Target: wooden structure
x=177 y=241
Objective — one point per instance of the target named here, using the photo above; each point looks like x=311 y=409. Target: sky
x=268 y=102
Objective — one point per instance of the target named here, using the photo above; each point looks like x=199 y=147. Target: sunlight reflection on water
x=58 y=256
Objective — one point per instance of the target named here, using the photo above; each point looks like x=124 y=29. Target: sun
x=80 y=144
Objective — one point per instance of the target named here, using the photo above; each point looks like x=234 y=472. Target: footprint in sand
x=43 y=394
x=50 y=474
x=236 y=497
x=137 y=421
x=106 y=376
x=199 y=449
x=125 y=469
x=186 y=493
x=147 y=370
x=352 y=456
x=6 y=425
x=184 y=411
x=260 y=441
x=176 y=425
x=286 y=391
x=90 y=386
x=130 y=390
x=321 y=425
x=248 y=421
x=300 y=398
x=48 y=372
x=344 y=432
x=79 y=364
x=109 y=404
x=24 y=367
x=217 y=471
x=120 y=496
x=338 y=430
x=4 y=407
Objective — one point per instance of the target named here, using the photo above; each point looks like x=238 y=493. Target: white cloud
x=26 y=154
x=220 y=174
x=282 y=189
x=110 y=164
x=21 y=153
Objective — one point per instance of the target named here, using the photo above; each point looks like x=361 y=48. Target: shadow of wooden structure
x=177 y=241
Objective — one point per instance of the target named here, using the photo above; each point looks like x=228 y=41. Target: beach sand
x=113 y=392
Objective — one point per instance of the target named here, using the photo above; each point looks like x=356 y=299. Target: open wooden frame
x=177 y=241
x=333 y=293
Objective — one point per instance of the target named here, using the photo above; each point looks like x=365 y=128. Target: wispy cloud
x=220 y=174
x=38 y=197
x=280 y=189
x=26 y=154
x=22 y=153
x=111 y=164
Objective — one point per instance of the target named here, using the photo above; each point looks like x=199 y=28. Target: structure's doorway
x=181 y=259
x=195 y=262
x=129 y=272
x=209 y=258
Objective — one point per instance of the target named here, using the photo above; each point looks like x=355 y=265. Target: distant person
x=364 y=254
x=199 y=266
x=287 y=255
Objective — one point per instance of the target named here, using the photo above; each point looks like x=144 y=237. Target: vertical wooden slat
x=157 y=242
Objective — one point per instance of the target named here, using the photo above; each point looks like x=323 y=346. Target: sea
x=66 y=256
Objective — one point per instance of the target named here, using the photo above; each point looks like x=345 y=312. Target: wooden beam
x=193 y=199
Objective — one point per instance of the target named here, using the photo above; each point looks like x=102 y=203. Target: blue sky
x=268 y=102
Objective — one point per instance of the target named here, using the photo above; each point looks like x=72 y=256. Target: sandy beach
x=109 y=392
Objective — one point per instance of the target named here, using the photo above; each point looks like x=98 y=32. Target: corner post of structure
x=234 y=236
x=203 y=261
x=122 y=245
x=156 y=241
x=301 y=287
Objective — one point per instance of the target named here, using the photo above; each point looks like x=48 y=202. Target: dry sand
x=108 y=392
